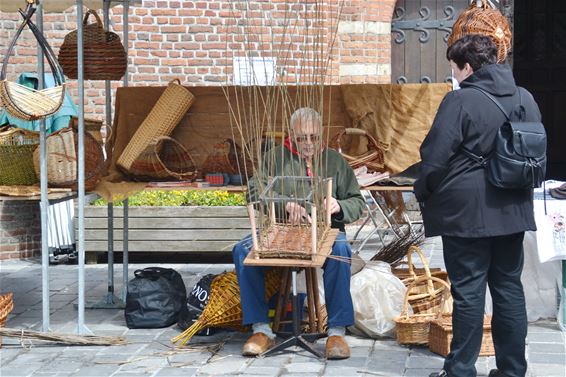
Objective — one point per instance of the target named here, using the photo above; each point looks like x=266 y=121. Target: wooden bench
x=168 y=229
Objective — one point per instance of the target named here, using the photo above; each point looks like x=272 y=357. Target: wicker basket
x=372 y=159
x=426 y=295
x=414 y=328
x=440 y=336
x=167 y=112
x=223 y=308
x=487 y=21
x=220 y=160
x=92 y=126
x=62 y=157
x=28 y=103
x=6 y=306
x=164 y=158
x=16 y=156
x=104 y=54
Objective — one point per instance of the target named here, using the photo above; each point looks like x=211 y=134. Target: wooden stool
x=317 y=317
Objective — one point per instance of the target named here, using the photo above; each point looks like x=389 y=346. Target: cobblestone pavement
x=150 y=353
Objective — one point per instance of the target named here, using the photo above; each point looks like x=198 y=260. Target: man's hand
x=334 y=205
x=297 y=213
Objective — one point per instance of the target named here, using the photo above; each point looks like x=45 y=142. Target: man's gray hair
x=307 y=114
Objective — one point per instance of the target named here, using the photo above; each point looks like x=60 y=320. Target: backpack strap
x=496 y=102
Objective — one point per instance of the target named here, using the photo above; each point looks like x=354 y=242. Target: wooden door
x=539 y=64
x=419 y=31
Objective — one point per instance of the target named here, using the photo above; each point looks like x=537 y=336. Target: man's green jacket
x=282 y=162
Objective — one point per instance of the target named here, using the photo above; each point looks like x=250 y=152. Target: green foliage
x=176 y=198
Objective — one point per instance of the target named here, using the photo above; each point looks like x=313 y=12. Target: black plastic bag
x=195 y=304
x=155 y=298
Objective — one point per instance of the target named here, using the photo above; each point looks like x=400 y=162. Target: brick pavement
x=150 y=352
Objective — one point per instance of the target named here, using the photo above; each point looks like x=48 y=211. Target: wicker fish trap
x=16 y=156
x=223 y=308
x=484 y=20
x=373 y=158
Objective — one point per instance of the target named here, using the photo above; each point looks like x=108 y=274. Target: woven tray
x=440 y=336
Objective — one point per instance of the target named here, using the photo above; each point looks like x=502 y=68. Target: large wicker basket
x=414 y=328
x=372 y=159
x=440 y=336
x=62 y=159
x=104 y=55
x=16 y=156
x=484 y=20
x=167 y=112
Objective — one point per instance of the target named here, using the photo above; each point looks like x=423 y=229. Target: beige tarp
x=399 y=116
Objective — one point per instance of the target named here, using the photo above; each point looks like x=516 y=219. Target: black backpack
x=518 y=158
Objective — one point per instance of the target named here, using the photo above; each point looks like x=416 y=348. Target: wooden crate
x=440 y=336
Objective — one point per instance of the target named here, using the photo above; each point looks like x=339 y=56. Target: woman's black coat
x=456 y=197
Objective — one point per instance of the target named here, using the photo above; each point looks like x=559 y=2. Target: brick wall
x=20 y=229
x=197 y=40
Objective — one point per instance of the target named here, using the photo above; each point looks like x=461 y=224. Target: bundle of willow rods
x=395 y=251
x=69 y=339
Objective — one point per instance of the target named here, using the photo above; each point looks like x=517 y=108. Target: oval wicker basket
x=104 y=55
x=414 y=328
x=62 y=157
x=6 y=306
x=373 y=159
x=484 y=20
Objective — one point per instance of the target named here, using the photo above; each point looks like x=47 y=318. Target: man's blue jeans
x=336 y=285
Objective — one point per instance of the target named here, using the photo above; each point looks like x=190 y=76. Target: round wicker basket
x=484 y=20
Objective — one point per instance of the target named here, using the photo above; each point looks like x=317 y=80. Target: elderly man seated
x=295 y=157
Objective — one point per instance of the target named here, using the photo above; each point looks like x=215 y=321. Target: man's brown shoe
x=337 y=348
x=256 y=344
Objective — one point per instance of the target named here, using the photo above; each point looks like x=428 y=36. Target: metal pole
x=125 y=226
x=81 y=328
x=44 y=203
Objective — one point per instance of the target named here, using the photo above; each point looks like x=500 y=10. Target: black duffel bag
x=155 y=298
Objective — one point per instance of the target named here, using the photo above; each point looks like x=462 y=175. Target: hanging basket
x=104 y=55
x=28 y=103
x=164 y=158
x=167 y=112
x=485 y=20
x=16 y=156
x=372 y=159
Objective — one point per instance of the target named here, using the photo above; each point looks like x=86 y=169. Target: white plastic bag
x=377 y=295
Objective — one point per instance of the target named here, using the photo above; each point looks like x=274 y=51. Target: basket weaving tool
x=28 y=103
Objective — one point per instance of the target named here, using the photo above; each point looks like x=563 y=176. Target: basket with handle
x=164 y=158
x=372 y=159
x=28 y=103
x=485 y=20
x=167 y=112
x=104 y=55
x=16 y=156
x=414 y=328
x=440 y=336
x=424 y=297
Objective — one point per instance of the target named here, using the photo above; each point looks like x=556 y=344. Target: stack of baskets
x=414 y=328
x=16 y=156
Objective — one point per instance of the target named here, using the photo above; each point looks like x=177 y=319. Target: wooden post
x=328 y=196
x=272 y=213
x=251 y=214
x=313 y=228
